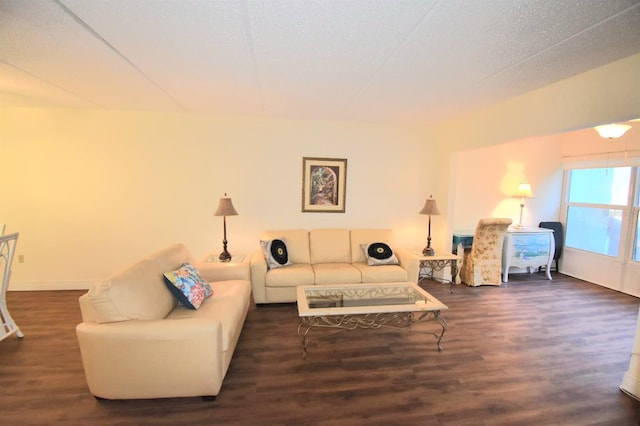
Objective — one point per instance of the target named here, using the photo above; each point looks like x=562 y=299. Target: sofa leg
x=209 y=398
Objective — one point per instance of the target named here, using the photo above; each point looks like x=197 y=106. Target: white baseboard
x=630 y=384
x=50 y=285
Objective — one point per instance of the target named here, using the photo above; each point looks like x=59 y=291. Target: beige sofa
x=326 y=256
x=136 y=341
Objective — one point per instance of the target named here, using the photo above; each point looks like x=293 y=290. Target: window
x=597 y=200
x=636 y=245
x=594 y=229
x=636 y=216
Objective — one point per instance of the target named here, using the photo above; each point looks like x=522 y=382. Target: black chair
x=558 y=236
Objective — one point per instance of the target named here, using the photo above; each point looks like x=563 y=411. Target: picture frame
x=324 y=185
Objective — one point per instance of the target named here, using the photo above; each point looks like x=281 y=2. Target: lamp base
x=225 y=256
x=428 y=251
x=520 y=225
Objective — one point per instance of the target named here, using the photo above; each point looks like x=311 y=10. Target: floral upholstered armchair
x=483 y=265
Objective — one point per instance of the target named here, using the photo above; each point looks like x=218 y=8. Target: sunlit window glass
x=594 y=229
x=636 y=246
x=600 y=186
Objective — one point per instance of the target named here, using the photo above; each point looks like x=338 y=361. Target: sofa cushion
x=297 y=243
x=137 y=293
x=187 y=286
x=330 y=246
x=227 y=305
x=293 y=275
x=275 y=253
x=336 y=273
x=365 y=236
x=379 y=253
x=381 y=273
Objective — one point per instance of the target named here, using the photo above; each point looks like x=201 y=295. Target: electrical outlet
x=21 y=258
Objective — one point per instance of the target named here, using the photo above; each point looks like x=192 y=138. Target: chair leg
x=8 y=326
x=7 y=249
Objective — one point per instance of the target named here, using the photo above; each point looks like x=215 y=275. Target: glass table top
x=364 y=298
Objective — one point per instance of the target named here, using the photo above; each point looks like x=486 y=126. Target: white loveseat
x=136 y=341
x=326 y=256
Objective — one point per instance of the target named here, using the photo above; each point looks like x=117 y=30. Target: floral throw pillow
x=188 y=286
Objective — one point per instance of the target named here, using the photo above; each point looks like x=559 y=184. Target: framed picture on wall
x=324 y=184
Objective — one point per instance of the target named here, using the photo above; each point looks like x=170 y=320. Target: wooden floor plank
x=530 y=352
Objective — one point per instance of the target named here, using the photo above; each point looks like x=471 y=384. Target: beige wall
x=584 y=146
x=93 y=191
x=606 y=94
x=489 y=150
x=488 y=177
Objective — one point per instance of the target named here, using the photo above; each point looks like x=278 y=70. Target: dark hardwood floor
x=531 y=352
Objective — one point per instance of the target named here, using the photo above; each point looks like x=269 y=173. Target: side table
x=214 y=258
x=211 y=266
x=462 y=237
x=438 y=262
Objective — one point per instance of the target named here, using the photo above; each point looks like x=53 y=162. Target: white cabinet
x=527 y=248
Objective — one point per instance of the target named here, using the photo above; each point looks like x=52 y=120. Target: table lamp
x=225 y=208
x=524 y=191
x=430 y=208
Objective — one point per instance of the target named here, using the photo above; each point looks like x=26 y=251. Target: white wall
x=485 y=175
x=531 y=128
x=486 y=179
x=604 y=95
x=91 y=192
x=586 y=146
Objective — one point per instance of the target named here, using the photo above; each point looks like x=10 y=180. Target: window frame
x=629 y=212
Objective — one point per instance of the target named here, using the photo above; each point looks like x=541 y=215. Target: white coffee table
x=351 y=306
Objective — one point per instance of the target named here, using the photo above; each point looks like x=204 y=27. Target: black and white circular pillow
x=275 y=252
x=379 y=253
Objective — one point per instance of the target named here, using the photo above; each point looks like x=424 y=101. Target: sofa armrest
x=152 y=359
x=409 y=261
x=258 y=276
x=220 y=271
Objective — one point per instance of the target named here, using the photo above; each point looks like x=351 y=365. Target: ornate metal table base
x=438 y=265
x=373 y=321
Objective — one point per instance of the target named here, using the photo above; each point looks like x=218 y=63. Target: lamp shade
x=430 y=207
x=524 y=191
x=225 y=208
x=612 y=131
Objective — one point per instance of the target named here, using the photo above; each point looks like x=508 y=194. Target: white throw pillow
x=275 y=253
x=379 y=253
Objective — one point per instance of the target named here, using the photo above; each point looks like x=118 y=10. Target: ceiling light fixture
x=612 y=131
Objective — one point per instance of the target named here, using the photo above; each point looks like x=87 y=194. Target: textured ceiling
x=382 y=60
